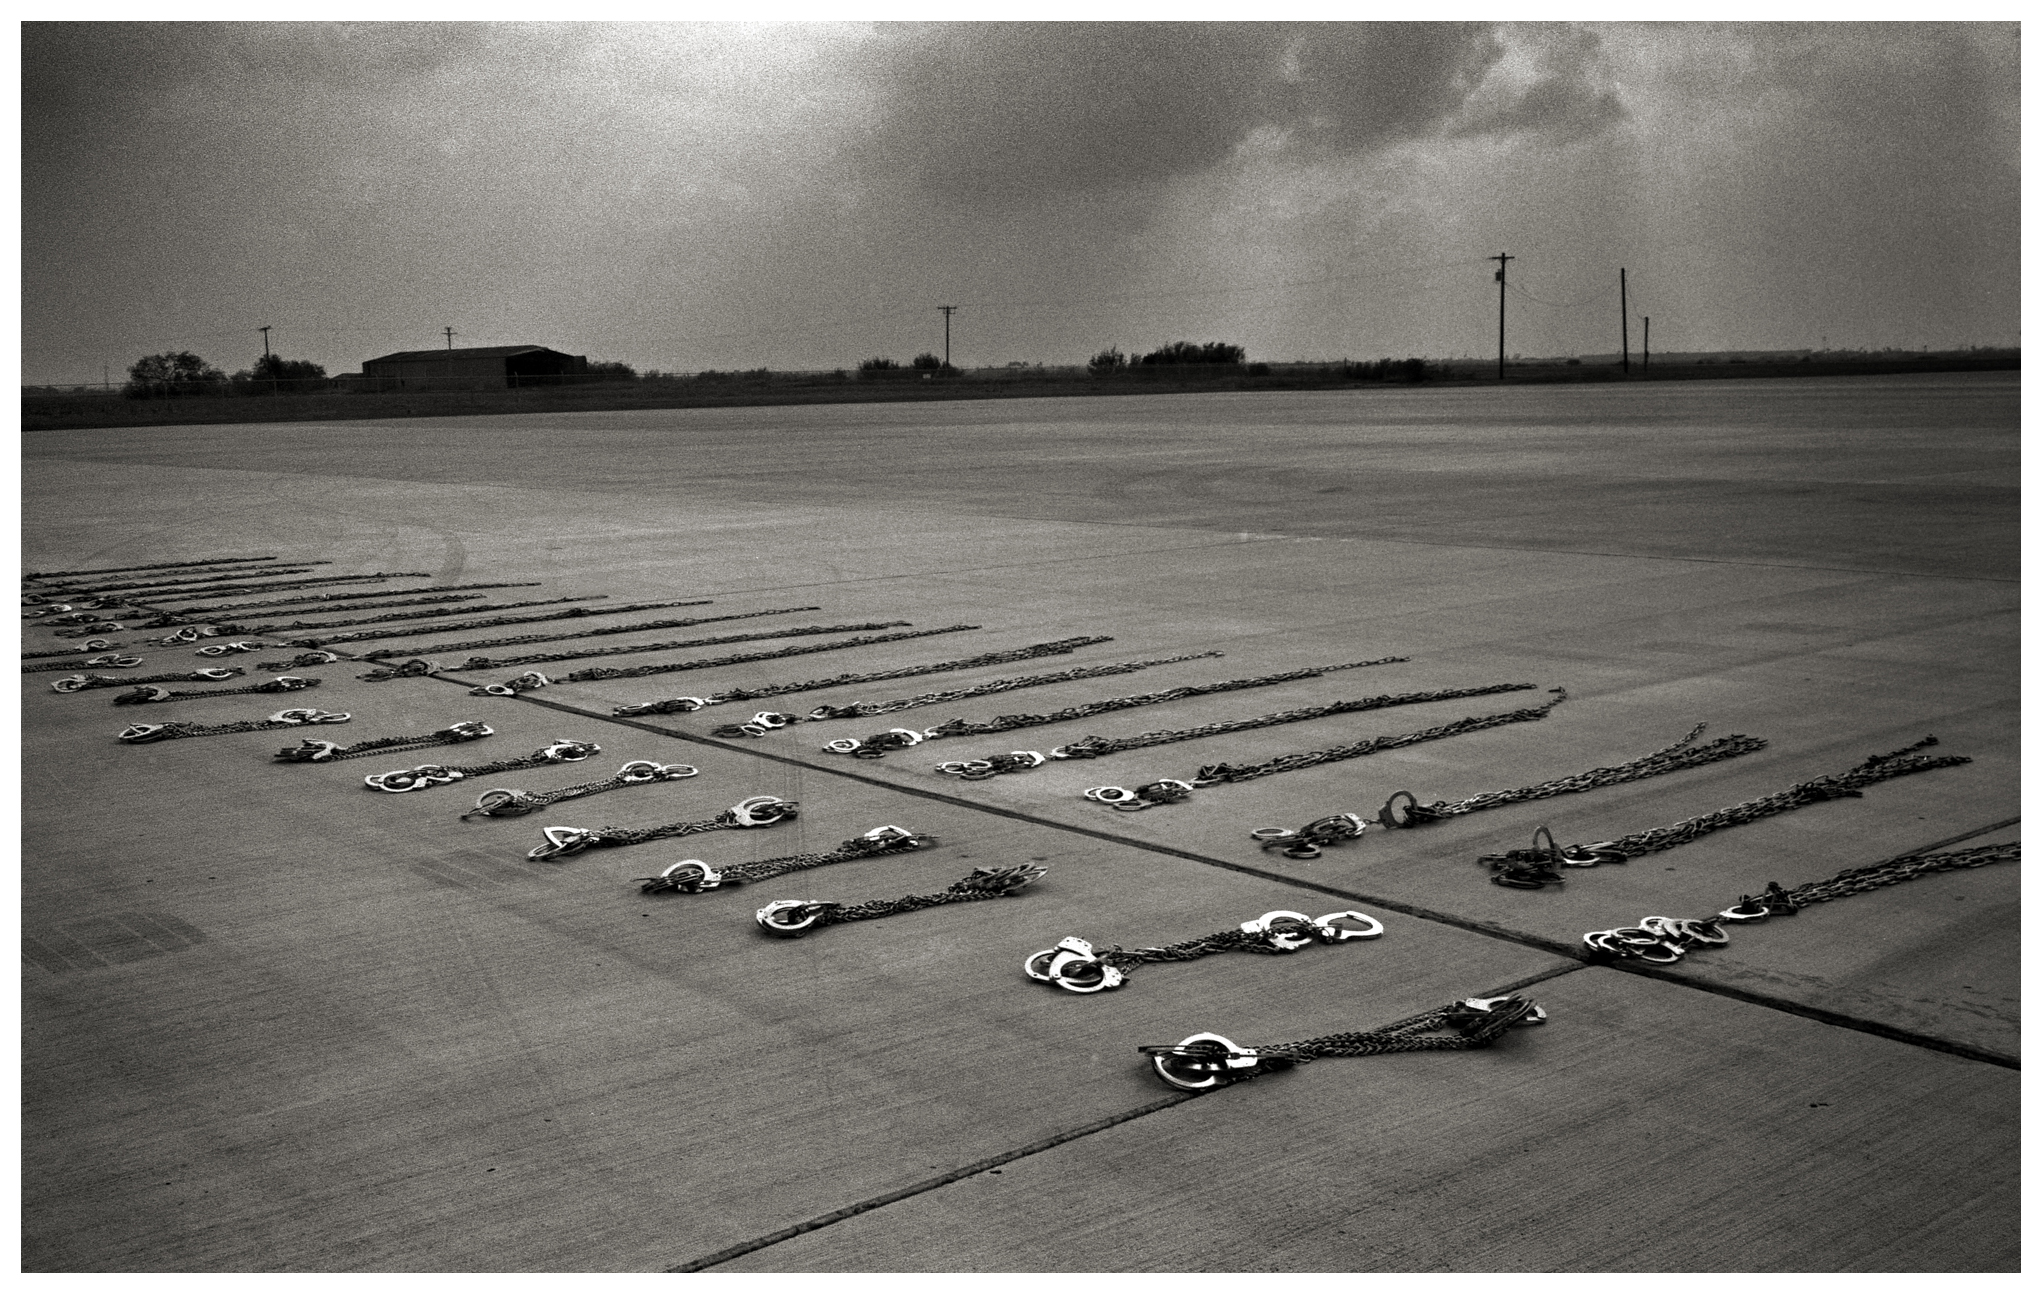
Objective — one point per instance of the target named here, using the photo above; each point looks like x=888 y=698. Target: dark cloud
x=1564 y=102
x=1005 y=112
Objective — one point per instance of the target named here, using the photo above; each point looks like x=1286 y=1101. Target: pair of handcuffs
x=1164 y=791
x=1538 y=866
x=980 y=770
x=758 y=726
x=523 y=683
x=1074 y=965
x=1305 y=842
x=561 y=751
x=877 y=746
x=136 y=734
x=754 y=811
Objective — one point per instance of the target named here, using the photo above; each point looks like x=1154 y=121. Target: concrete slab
x=1646 y=1127
x=354 y=1007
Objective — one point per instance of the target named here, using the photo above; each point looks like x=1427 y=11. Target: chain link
x=1403 y=809
x=107 y=662
x=1169 y=791
x=535 y=658
x=1058 y=647
x=81 y=682
x=693 y=876
x=1205 y=1061
x=312 y=750
x=640 y=671
x=572 y=613
x=363 y=593
x=759 y=811
x=89 y=591
x=1091 y=748
x=509 y=802
x=1664 y=940
x=136 y=734
x=94 y=645
x=1539 y=866
x=560 y=750
x=272 y=587
x=485 y=663
x=149 y=693
x=877 y=747
x=43 y=576
x=794 y=918
x=1075 y=965
x=424 y=615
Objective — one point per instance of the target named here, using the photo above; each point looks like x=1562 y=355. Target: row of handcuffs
x=1199 y=1062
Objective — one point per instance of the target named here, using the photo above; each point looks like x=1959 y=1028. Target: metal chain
x=301 y=661
x=485 y=663
x=1206 y=1061
x=287 y=569
x=794 y=918
x=107 y=662
x=362 y=593
x=1537 y=867
x=1091 y=748
x=757 y=811
x=560 y=750
x=1058 y=647
x=487 y=622
x=639 y=671
x=876 y=747
x=40 y=576
x=509 y=802
x=1403 y=809
x=136 y=734
x=149 y=693
x=1168 y=791
x=693 y=876
x=1663 y=940
x=857 y=710
x=1075 y=965
x=80 y=682
x=424 y=615
x=91 y=645
x=312 y=750
x=272 y=587
x=93 y=630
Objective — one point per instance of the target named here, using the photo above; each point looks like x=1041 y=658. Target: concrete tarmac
x=276 y=1021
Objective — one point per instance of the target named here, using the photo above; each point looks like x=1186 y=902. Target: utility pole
x=1646 y=360
x=1624 y=323
x=265 y=331
x=449 y=331
x=1503 y=261
x=947 y=334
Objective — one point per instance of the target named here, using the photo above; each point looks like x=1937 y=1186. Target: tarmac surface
x=276 y=1021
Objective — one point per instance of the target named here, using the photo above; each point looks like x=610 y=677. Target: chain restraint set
x=1170 y=791
x=1664 y=940
x=1197 y=1063
x=1075 y=965
x=559 y=751
x=1404 y=810
x=509 y=802
x=1540 y=865
x=877 y=746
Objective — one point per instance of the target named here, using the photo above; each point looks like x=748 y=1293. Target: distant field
x=43 y=410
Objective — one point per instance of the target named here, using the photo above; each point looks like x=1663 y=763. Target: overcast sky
x=700 y=196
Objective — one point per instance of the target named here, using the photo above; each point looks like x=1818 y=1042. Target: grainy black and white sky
x=697 y=196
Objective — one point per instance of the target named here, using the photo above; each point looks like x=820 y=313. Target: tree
x=173 y=373
x=927 y=361
x=877 y=366
x=612 y=371
x=1107 y=361
x=1192 y=353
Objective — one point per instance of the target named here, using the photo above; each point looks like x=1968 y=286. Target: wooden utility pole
x=265 y=331
x=1503 y=261
x=947 y=334
x=449 y=331
x=1624 y=323
x=1646 y=360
